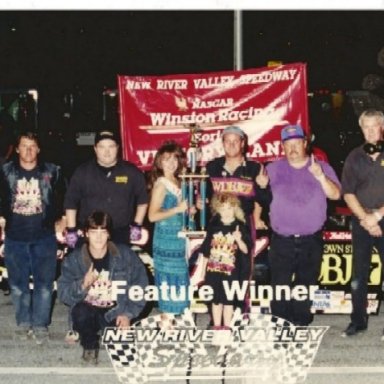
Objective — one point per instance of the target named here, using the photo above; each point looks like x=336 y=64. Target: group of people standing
x=108 y=199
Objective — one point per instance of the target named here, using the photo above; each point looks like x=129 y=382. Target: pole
x=237 y=40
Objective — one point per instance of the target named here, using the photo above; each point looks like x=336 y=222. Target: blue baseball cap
x=233 y=129
x=292 y=132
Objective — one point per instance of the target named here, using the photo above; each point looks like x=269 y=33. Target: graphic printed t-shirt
x=100 y=293
x=27 y=208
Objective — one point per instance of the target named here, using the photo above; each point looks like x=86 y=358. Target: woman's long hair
x=168 y=147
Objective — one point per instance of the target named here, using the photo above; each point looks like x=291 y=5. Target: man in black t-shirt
x=363 y=189
x=31 y=204
x=109 y=184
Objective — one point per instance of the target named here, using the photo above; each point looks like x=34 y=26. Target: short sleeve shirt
x=26 y=223
x=299 y=204
x=364 y=178
x=117 y=192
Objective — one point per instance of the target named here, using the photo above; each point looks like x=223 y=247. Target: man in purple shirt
x=300 y=187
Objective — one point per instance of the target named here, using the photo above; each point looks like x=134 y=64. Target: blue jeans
x=36 y=258
x=295 y=261
x=362 y=246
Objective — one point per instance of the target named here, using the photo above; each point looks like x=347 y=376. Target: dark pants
x=294 y=261
x=89 y=321
x=362 y=246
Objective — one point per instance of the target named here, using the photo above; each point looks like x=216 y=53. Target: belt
x=298 y=236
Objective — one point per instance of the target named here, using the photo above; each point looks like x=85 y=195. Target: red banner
x=260 y=101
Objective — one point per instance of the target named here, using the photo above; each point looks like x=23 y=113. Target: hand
x=2 y=250
x=369 y=220
x=89 y=278
x=135 y=232
x=375 y=231
x=200 y=203
x=71 y=237
x=60 y=225
x=262 y=179
x=315 y=168
x=192 y=211
x=143 y=238
x=60 y=253
x=370 y=224
x=237 y=234
x=123 y=322
x=260 y=224
x=182 y=206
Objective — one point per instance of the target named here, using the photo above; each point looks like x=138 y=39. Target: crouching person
x=86 y=280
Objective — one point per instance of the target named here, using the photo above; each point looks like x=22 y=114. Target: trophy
x=192 y=185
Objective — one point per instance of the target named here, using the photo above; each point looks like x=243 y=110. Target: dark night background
x=78 y=54
x=57 y=50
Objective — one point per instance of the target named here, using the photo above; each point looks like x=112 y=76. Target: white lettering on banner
x=224 y=115
x=165 y=118
x=208 y=137
x=259 y=149
x=270 y=149
x=209 y=152
x=260 y=100
x=217 y=103
x=213 y=82
x=138 y=84
x=247 y=114
x=266 y=77
x=146 y=157
x=172 y=84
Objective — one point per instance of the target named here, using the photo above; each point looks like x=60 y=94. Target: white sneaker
x=41 y=335
x=71 y=337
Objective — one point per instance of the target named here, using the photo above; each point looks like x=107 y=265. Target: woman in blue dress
x=166 y=210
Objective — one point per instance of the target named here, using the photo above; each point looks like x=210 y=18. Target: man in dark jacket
x=31 y=203
x=87 y=281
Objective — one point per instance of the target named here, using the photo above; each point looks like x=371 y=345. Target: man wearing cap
x=300 y=187
x=233 y=173
x=363 y=191
x=107 y=184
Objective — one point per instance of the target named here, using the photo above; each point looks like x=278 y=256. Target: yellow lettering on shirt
x=121 y=179
x=235 y=186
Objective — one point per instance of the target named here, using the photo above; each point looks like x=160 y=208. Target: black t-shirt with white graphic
x=26 y=223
